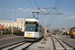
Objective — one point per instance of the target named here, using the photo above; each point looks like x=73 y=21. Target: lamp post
x=13 y=23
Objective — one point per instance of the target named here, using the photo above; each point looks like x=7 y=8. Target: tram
x=72 y=32
x=33 y=29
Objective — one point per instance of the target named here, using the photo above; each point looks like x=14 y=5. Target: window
x=10 y=24
x=17 y=26
x=17 y=22
x=7 y=24
x=22 y=21
x=21 y=25
x=21 y=28
x=73 y=30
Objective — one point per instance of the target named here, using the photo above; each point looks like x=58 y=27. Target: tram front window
x=31 y=27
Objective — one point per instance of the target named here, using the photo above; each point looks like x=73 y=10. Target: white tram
x=33 y=30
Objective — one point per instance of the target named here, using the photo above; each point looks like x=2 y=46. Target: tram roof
x=73 y=28
x=32 y=19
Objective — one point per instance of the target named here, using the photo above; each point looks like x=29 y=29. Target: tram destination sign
x=30 y=22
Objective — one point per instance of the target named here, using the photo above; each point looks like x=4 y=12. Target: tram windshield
x=31 y=27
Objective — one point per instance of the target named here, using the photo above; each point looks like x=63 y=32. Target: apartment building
x=18 y=24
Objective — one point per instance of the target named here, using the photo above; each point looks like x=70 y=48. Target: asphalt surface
x=6 y=40
x=66 y=39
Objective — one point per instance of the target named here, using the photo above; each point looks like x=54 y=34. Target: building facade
x=17 y=25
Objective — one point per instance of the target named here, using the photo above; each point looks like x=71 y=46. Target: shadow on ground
x=35 y=41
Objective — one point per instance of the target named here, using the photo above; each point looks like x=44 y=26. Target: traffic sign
x=1 y=26
x=1 y=30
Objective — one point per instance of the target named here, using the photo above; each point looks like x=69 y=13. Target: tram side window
x=39 y=28
x=36 y=28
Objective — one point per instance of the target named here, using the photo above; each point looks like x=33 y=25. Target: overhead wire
x=52 y=15
x=55 y=3
x=38 y=8
x=33 y=8
x=57 y=11
x=60 y=4
x=36 y=3
x=57 y=6
x=31 y=4
x=42 y=19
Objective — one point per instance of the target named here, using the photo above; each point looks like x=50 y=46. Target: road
x=8 y=41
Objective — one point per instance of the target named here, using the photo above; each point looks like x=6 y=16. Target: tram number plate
x=29 y=35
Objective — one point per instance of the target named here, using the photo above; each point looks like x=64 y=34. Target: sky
x=24 y=9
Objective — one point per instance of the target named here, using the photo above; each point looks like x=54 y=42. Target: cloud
x=70 y=13
x=59 y=16
x=10 y=9
x=42 y=9
x=35 y=10
x=61 y=10
x=67 y=18
x=20 y=9
x=25 y=10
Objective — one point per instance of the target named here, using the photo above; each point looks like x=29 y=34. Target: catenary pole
x=45 y=19
x=13 y=23
x=45 y=22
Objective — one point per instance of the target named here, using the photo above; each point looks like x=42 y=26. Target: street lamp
x=13 y=23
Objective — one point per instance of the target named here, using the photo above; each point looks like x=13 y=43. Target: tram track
x=27 y=46
x=54 y=48
x=60 y=42
x=16 y=46
x=22 y=45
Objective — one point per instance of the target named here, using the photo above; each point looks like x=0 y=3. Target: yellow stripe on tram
x=29 y=35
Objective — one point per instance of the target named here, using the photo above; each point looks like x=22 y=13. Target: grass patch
x=9 y=32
